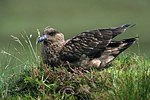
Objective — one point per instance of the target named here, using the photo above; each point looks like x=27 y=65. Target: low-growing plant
x=127 y=78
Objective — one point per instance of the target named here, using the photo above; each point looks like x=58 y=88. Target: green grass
x=26 y=78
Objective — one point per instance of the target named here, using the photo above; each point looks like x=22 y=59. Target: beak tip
x=40 y=39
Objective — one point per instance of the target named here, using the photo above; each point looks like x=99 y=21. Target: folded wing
x=89 y=43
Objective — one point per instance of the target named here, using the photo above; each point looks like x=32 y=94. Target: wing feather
x=89 y=43
x=86 y=43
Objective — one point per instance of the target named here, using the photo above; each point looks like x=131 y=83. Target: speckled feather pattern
x=90 y=48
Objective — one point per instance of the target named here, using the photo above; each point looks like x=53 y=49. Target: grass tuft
x=21 y=77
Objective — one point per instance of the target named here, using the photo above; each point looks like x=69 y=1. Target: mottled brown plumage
x=87 y=49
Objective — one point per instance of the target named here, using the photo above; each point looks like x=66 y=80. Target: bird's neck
x=54 y=46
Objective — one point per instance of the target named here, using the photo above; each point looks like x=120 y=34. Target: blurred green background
x=74 y=16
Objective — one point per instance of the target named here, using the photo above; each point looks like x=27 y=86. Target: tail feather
x=114 y=49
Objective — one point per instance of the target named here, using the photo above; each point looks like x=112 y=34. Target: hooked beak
x=42 y=38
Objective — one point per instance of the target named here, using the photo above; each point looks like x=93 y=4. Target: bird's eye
x=51 y=33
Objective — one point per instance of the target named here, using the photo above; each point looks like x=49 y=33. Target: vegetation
x=22 y=76
x=26 y=77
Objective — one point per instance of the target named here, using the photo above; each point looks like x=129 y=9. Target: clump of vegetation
x=127 y=78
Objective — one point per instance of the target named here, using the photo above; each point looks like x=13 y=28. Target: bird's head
x=51 y=35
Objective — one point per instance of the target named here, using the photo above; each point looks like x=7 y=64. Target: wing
x=88 y=43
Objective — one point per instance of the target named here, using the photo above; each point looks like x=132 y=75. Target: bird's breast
x=50 y=54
